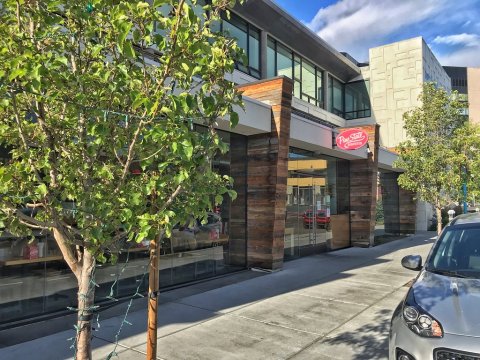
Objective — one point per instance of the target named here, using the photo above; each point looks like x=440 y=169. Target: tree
x=429 y=158
x=90 y=91
x=466 y=144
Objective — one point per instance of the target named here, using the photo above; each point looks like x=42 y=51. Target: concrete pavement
x=330 y=306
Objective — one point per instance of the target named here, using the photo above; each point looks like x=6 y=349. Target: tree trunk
x=439 y=220
x=153 y=291
x=86 y=292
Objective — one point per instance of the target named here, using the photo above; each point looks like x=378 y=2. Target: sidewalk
x=330 y=306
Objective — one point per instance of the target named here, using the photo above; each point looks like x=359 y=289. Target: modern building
x=397 y=72
x=298 y=193
x=467 y=82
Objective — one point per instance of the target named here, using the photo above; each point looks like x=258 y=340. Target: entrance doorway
x=318 y=209
x=308 y=215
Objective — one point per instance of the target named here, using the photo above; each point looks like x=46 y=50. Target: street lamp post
x=465 y=209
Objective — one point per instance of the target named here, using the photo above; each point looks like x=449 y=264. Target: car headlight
x=420 y=321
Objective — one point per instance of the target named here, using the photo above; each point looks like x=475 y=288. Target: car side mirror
x=412 y=262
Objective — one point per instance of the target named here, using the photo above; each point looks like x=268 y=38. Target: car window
x=457 y=250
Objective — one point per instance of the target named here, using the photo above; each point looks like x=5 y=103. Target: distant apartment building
x=467 y=82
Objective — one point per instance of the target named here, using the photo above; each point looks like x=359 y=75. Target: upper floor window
x=248 y=38
x=336 y=97
x=349 y=101
x=307 y=78
x=357 y=100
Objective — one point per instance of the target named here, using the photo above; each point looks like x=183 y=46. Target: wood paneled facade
x=399 y=206
x=363 y=191
x=267 y=176
x=265 y=183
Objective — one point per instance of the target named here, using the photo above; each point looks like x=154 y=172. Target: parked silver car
x=440 y=316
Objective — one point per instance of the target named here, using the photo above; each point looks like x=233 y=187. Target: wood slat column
x=238 y=215
x=407 y=211
x=267 y=175
x=390 y=202
x=363 y=191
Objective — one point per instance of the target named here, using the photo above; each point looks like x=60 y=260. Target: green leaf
x=42 y=189
x=128 y=50
x=135 y=198
x=233 y=119
x=124 y=28
x=136 y=35
x=139 y=101
x=187 y=148
x=62 y=59
x=185 y=66
x=17 y=73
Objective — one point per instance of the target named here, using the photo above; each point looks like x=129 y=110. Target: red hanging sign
x=351 y=139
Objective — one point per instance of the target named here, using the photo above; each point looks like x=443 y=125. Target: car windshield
x=457 y=253
x=309 y=213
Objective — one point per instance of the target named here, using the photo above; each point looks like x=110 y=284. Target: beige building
x=396 y=72
x=473 y=78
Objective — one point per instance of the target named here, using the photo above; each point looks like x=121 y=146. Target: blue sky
x=450 y=27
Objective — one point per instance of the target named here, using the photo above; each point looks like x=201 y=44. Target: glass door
x=307 y=234
x=305 y=221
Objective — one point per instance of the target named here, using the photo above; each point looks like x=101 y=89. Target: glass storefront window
x=35 y=280
x=317 y=213
x=198 y=250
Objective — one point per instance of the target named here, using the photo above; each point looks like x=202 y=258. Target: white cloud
x=356 y=25
x=459 y=39
x=467 y=56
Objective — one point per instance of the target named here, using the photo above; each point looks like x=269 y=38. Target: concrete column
x=263 y=53
x=325 y=90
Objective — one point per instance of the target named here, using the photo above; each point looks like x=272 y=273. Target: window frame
x=250 y=70
x=318 y=73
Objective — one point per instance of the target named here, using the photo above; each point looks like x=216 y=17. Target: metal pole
x=153 y=292
x=465 y=210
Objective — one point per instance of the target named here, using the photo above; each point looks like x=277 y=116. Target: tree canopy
x=435 y=156
x=98 y=100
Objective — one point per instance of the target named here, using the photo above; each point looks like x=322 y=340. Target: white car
x=439 y=318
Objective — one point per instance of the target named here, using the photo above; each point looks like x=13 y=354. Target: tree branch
x=31 y=222
x=33 y=206
x=67 y=250
x=22 y=137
